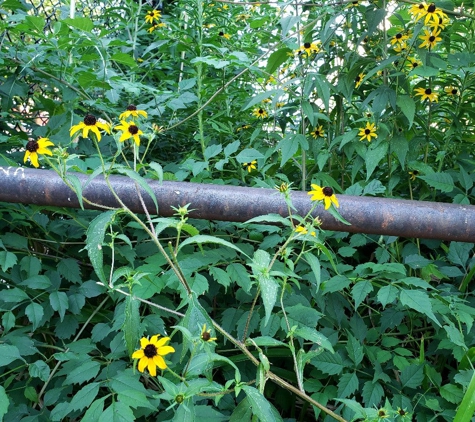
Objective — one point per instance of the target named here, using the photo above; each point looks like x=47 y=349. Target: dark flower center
x=398 y=36
x=381 y=413
x=206 y=336
x=428 y=91
x=365 y=39
x=90 y=120
x=454 y=91
x=358 y=78
x=431 y=38
x=367 y=131
x=133 y=129
x=221 y=33
x=150 y=351
x=415 y=64
x=415 y=172
x=431 y=8
x=307 y=45
x=355 y=3
x=421 y=6
x=131 y=107
x=260 y=111
x=32 y=146
x=401 y=412
x=327 y=191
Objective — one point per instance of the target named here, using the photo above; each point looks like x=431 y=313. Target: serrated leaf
x=347 y=385
x=117 y=412
x=220 y=276
x=267 y=284
x=84 y=24
x=95 y=411
x=59 y=302
x=412 y=376
x=14 y=295
x=372 y=393
x=8 y=354
x=34 y=312
x=70 y=270
x=408 y=108
x=265 y=341
x=440 y=181
x=84 y=372
x=260 y=405
x=418 y=301
x=329 y=363
x=451 y=393
x=212 y=151
x=374 y=156
x=314 y=336
x=7 y=260
x=354 y=349
x=85 y=396
x=387 y=294
x=360 y=290
x=247 y=155
x=315 y=266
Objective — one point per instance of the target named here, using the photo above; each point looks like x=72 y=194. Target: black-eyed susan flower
x=242 y=127
x=418 y=10
x=224 y=35
x=250 y=166
x=129 y=130
x=280 y=104
x=206 y=335
x=318 y=132
x=399 y=38
x=132 y=112
x=309 y=48
x=90 y=123
x=412 y=63
x=353 y=4
x=430 y=38
x=426 y=94
x=151 y=354
x=324 y=194
x=152 y=15
x=368 y=132
x=413 y=174
x=383 y=413
x=242 y=17
x=260 y=113
x=400 y=48
x=432 y=13
x=439 y=22
x=359 y=80
x=451 y=90
x=35 y=148
x=156 y=26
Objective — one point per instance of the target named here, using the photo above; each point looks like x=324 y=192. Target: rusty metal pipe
x=428 y=220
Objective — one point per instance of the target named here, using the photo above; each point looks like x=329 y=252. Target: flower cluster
x=129 y=128
x=152 y=17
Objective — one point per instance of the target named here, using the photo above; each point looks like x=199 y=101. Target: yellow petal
x=138 y=354
x=143 y=363
x=152 y=367
x=160 y=362
x=144 y=342
x=165 y=350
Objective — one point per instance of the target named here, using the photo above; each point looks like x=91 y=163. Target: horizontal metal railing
x=383 y=216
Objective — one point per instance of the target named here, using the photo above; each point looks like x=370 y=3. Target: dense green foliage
x=273 y=319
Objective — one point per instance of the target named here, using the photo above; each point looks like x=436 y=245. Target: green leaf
x=270 y=218
x=220 y=276
x=247 y=155
x=95 y=411
x=276 y=59
x=261 y=97
x=347 y=385
x=7 y=260
x=38 y=282
x=34 y=312
x=260 y=405
x=242 y=412
x=158 y=170
x=373 y=157
x=117 y=412
x=418 y=301
x=329 y=363
x=212 y=151
x=8 y=354
x=140 y=181
x=39 y=369
x=84 y=372
x=124 y=58
x=84 y=24
x=287 y=23
x=70 y=270
x=265 y=341
x=14 y=295
x=360 y=290
x=131 y=327
x=451 y=393
x=315 y=266
x=467 y=407
x=408 y=107
x=387 y=294
x=95 y=238
x=202 y=238
x=59 y=302
x=454 y=335
x=441 y=181
x=4 y=403
x=85 y=396
x=412 y=376
x=77 y=187
x=354 y=349
x=288 y=147
x=400 y=146
x=372 y=393
x=315 y=337
x=268 y=285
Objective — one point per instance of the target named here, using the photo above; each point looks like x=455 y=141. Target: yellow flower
x=280 y=104
x=399 y=38
x=359 y=80
x=400 y=48
x=151 y=352
x=426 y=93
x=132 y=111
x=129 y=130
x=430 y=38
x=33 y=148
x=243 y=17
x=413 y=63
x=368 y=131
x=324 y=194
x=242 y=127
x=152 y=15
x=250 y=166
x=318 y=132
x=431 y=13
x=260 y=113
x=206 y=335
x=303 y=230
x=418 y=10
x=451 y=90
x=439 y=22
x=353 y=4
x=309 y=48
x=90 y=123
x=155 y=26
x=413 y=174
x=222 y=34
